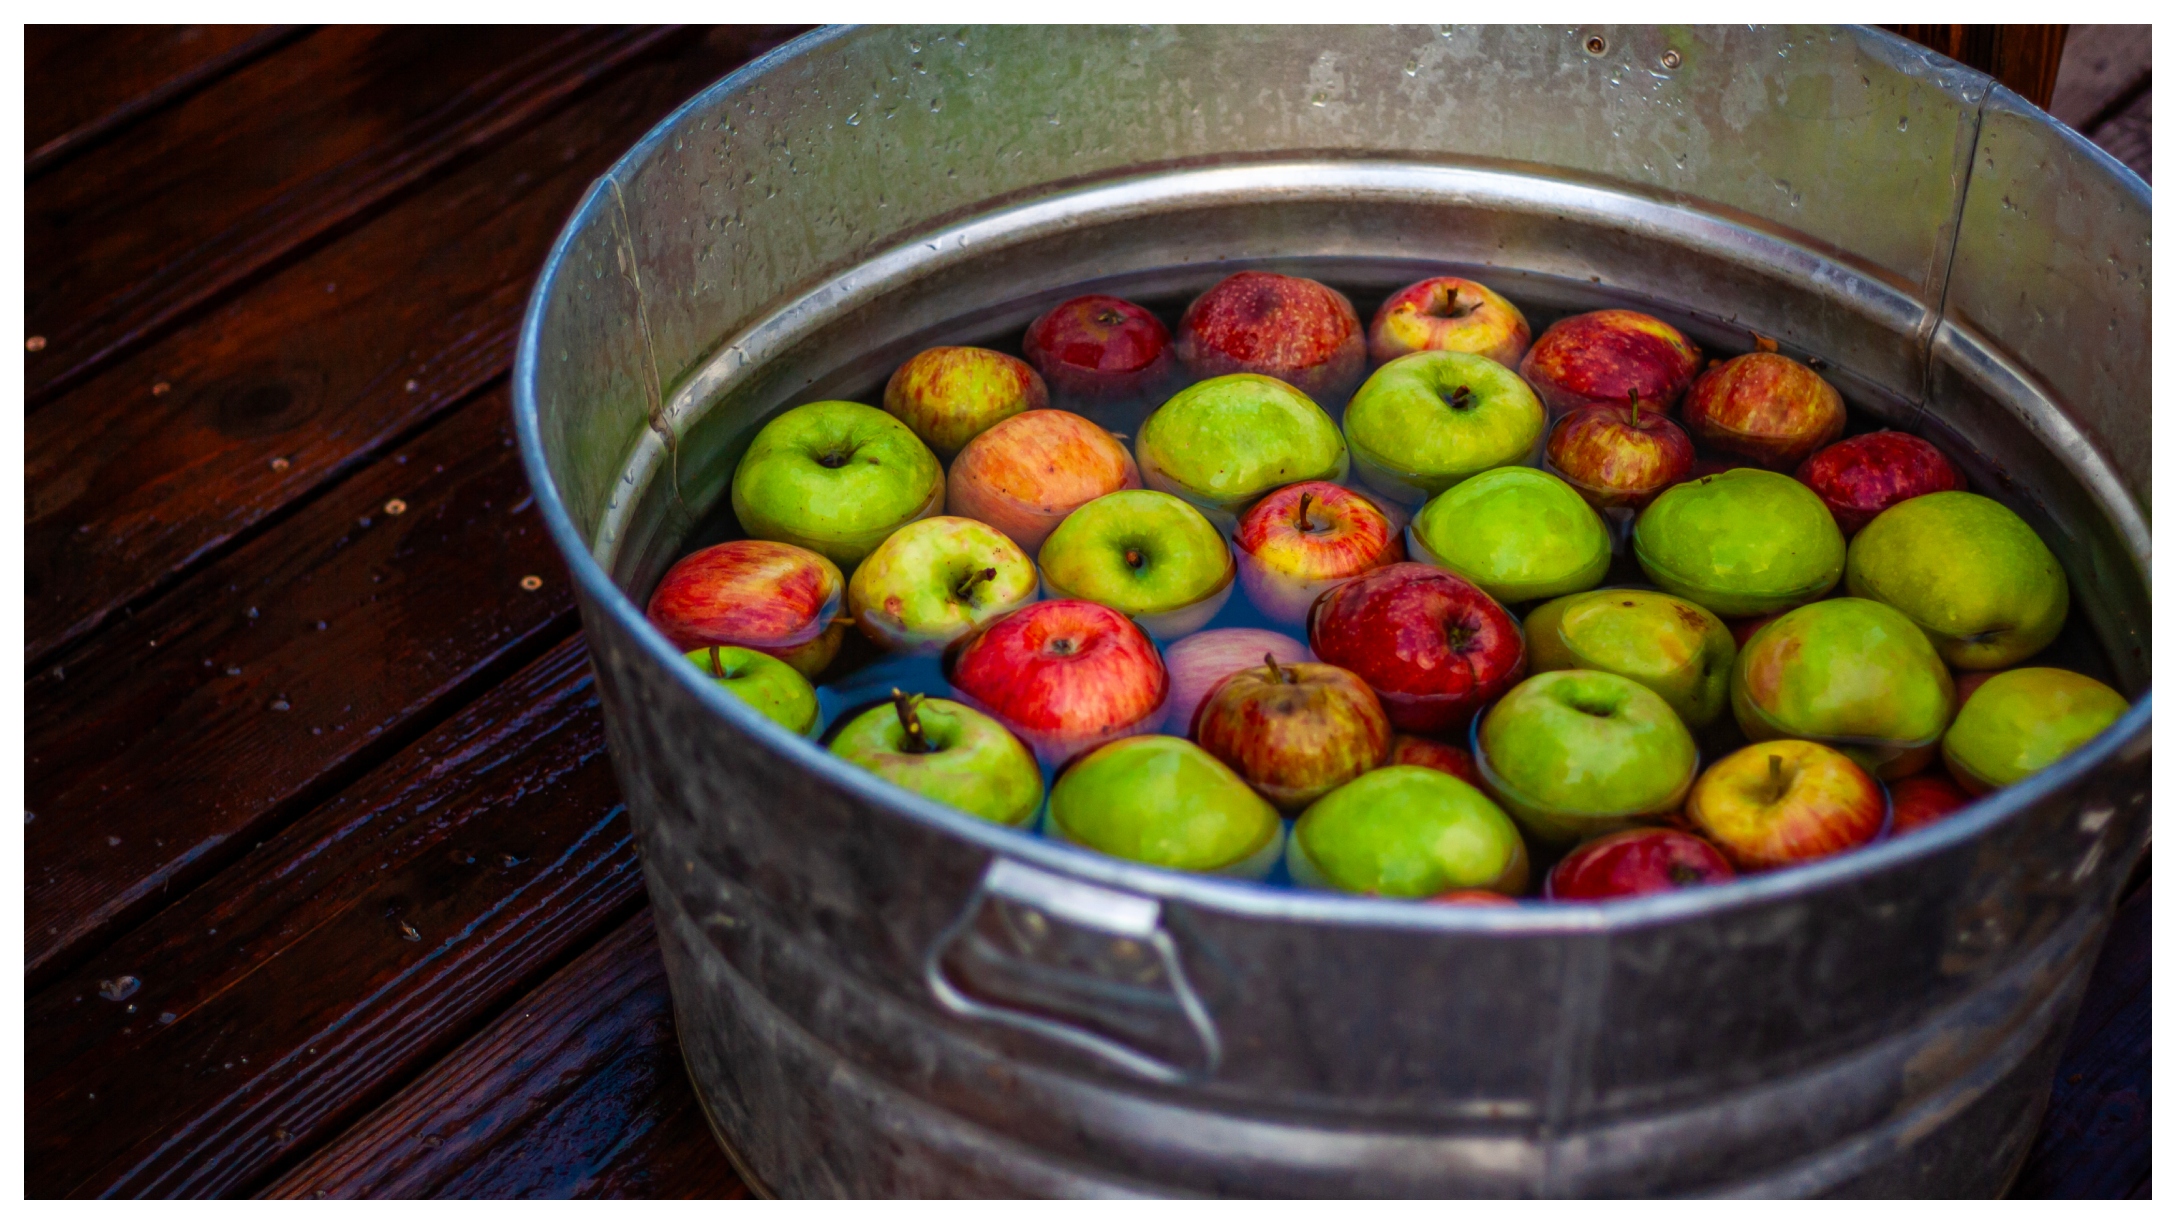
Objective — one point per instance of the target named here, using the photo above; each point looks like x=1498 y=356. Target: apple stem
x=717 y=666
x=1134 y=558
x=982 y=575
x=910 y=723
x=1775 y=778
x=1301 y=520
x=1277 y=673
x=1462 y=398
x=1635 y=408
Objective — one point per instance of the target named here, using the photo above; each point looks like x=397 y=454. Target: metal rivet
x=396 y=506
x=532 y=583
x=1671 y=59
x=34 y=344
x=1596 y=44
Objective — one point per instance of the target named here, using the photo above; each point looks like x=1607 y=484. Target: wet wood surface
x=329 y=891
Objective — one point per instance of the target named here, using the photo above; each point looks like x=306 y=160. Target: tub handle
x=1129 y=920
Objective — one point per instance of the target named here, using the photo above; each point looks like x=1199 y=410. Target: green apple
x=1575 y=754
x=1428 y=420
x=934 y=581
x=1225 y=442
x=835 y=478
x=1674 y=646
x=1407 y=831
x=948 y=752
x=1517 y=533
x=1969 y=572
x=1745 y=542
x=2024 y=720
x=772 y=686
x=1164 y=801
x=1851 y=673
x=1145 y=553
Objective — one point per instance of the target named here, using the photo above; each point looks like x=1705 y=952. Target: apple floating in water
x=1429 y=420
x=1433 y=646
x=1224 y=443
x=1860 y=477
x=1606 y=357
x=1517 y=532
x=835 y=477
x=2022 y=721
x=1406 y=831
x=1635 y=862
x=1304 y=539
x=1921 y=800
x=1448 y=314
x=1679 y=650
x=1785 y=802
x=1064 y=676
x=1434 y=754
x=776 y=598
x=1746 y=542
x=769 y=685
x=1101 y=354
x=936 y=580
x=1147 y=554
x=948 y=752
x=1026 y=473
x=1765 y=407
x=1969 y=572
x=1161 y=800
x=1294 y=731
x=1199 y=662
x=1619 y=458
x=1851 y=673
x=1574 y=754
x=1290 y=328
x=949 y=394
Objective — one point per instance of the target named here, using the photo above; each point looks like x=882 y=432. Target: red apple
x=1781 y=802
x=1633 y=862
x=1023 y=475
x=1097 y=350
x=1606 y=356
x=1766 y=407
x=1923 y=799
x=1436 y=755
x=778 y=598
x=1471 y=896
x=947 y=395
x=1287 y=327
x=1433 y=646
x=1619 y=456
x=1743 y=628
x=1065 y=676
x=1199 y=662
x=1969 y=683
x=1304 y=539
x=1449 y=314
x=1863 y=476
x=1294 y=731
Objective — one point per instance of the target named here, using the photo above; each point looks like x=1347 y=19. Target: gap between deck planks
x=87 y=83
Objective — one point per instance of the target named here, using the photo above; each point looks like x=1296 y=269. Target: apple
x=1100 y=354
x=1518 y=532
x=1406 y=831
x=1199 y=662
x=1448 y=314
x=1765 y=407
x=835 y=477
x=1967 y=570
x=1429 y=420
x=1064 y=676
x=1619 y=458
x=1160 y=800
x=949 y=394
x=1783 y=802
x=936 y=580
x=948 y=752
x=1145 y=553
x=1573 y=754
x=776 y=598
x=1675 y=647
x=1434 y=754
x=1851 y=673
x=1433 y=646
x=1969 y=683
x=772 y=686
x=1860 y=477
x=1743 y=628
x=1294 y=731
x=1745 y=542
x=1287 y=327
x=1607 y=356
x=1304 y=539
x=1223 y=443
x=1635 y=862
x=2024 y=720
x=1922 y=799
x=1026 y=473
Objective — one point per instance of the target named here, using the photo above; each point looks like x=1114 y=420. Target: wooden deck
x=329 y=889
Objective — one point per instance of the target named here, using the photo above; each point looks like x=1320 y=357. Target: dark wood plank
x=201 y=196
x=81 y=83
x=157 y=753
x=2128 y=134
x=263 y=1013
x=2097 y=1138
x=161 y=461
x=2103 y=66
x=2023 y=57
x=576 y=1091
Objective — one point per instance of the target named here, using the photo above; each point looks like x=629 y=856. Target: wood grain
x=576 y=1091
x=2023 y=57
x=2103 y=67
x=261 y=1014
x=156 y=753
x=83 y=83
x=201 y=196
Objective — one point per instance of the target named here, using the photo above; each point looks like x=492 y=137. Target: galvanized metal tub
x=878 y=995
